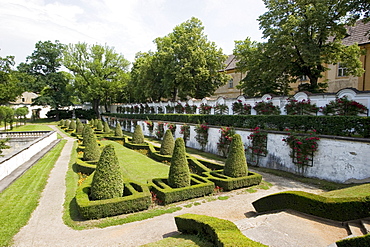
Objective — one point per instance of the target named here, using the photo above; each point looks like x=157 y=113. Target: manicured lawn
x=136 y=166
x=32 y=127
x=355 y=191
x=20 y=199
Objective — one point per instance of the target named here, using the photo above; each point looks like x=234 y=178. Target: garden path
x=46 y=227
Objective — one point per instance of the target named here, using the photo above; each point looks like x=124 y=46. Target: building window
x=231 y=83
x=342 y=70
x=23 y=100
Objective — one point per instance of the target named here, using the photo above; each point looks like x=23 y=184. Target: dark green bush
x=340 y=209
x=168 y=143
x=85 y=167
x=118 y=130
x=99 y=125
x=107 y=180
x=166 y=194
x=91 y=151
x=236 y=164
x=324 y=125
x=79 y=128
x=218 y=231
x=138 y=136
x=65 y=114
x=72 y=125
x=61 y=123
x=229 y=183
x=67 y=123
x=355 y=242
x=136 y=197
x=179 y=174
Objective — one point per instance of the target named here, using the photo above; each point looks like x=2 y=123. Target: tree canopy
x=303 y=36
x=185 y=64
x=10 y=85
x=100 y=73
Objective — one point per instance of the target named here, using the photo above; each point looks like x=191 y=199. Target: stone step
x=366 y=225
x=356 y=228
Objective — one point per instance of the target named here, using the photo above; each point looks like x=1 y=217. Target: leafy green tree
x=8 y=117
x=10 y=85
x=236 y=164
x=179 y=174
x=168 y=143
x=107 y=180
x=302 y=36
x=100 y=73
x=53 y=85
x=3 y=145
x=118 y=130
x=21 y=113
x=91 y=151
x=138 y=136
x=185 y=64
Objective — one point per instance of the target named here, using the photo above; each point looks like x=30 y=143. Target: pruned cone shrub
x=72 y=125
x=106 y=127
x=99 y=126
x=179 y=174
x=168 y=143
x=91 y=151
x=67 y=123
x=118 y=130
x=61 y=123
x=107 y=181
x=79 y=127
x=236 y=164
x=138 y=136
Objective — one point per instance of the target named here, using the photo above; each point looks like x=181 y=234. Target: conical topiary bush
x=107 y=181
x=118 y=130
x=106 y=127
x=79 y=127
x=67 y=123
x=168 y=143
x=61 y=123
x=91 y=151
x=72 y=125
x=179 y=174
x=99 y=126
x=236 y=164
x=138 y=136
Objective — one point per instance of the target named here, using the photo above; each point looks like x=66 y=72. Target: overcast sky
x=129 y=26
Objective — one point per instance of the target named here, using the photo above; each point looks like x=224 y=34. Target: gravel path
x=46 y=227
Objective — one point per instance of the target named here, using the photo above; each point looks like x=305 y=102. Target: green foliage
x=202 y=134
x=118 y=130
x=100 y=73
x=355 y=242
x=325 y=125
x=106 y=127
x=241 y=109
x=79 y=127
x=99 y=126
x=67 y=123
x=339 y=209
x=107 y=180
x=225 y=139
x=220 y=232
x=67 y=114
x=179 y=175
x=304 y=107
x=61 y=123
x=258 y=145
x=168 y=143
x=266 y=108
x=138 y=136
x=344 y=107
x=91 y=151
x=160 y=130
x=236 y=164
x=10 y=84
x=229 y=183
x=3 y=145
x=72 y=125
x=185 y=131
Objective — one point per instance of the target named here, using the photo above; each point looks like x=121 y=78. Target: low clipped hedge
x=229 y=183
x=325 y=125
x=135 y=198
x=166 y=195
x=160 y=157
x=85 y=167
x=218 y=231
x=355 y=242
x=340 y=209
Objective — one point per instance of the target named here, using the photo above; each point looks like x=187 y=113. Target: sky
x=130 y=26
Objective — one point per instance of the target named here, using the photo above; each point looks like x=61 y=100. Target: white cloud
x=130 y=26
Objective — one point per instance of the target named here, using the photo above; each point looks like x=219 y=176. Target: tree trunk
x=96 y=103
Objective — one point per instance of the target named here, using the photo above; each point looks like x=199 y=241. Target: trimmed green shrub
x=236 y=164
x=99 y=126
x=106 y=127
x=355 y=242
x=61 y=123
x=340 y=209
x=107 y=182
x=138 y=136
x=72 y=125
x=165 y=194
x=168 y=143
x=229 y=183
x=118 y=130
x=179 y=174
x=218 y=231
x=85 y=167
x=91 y=151
x=67 y=123
x=135 y=197
x=79 y=128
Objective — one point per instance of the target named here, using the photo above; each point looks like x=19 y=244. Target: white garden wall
x=343 y=160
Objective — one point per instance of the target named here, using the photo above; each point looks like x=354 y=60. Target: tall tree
x=10 y=85
x=190 y=63
x=100 y=72
x=53 y=85
x=304 y=35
